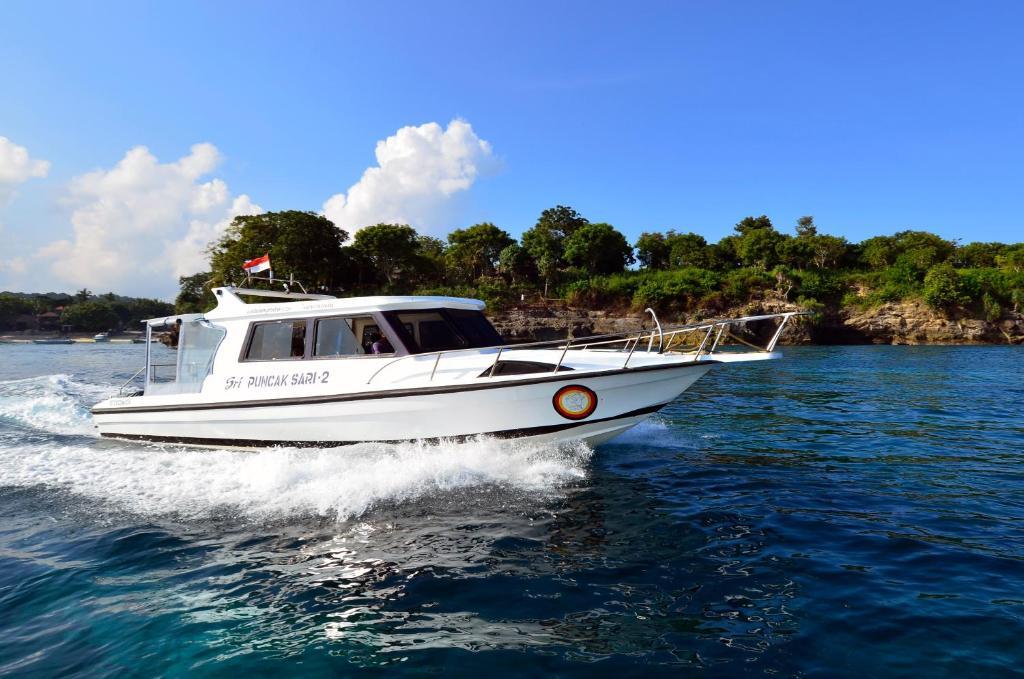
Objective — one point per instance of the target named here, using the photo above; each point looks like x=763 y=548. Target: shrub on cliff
x=942 y=287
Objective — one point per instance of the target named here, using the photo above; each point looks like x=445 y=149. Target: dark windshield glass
x=443 y=329
x=475 y=327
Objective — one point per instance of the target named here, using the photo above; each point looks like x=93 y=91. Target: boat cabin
x=305 y=329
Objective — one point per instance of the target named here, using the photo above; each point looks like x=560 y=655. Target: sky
x=132 y=132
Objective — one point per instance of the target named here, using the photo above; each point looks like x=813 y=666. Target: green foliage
x=1012 y=258
x=680 y=288
x=942 y=287
x=688 y=249
x=749 y=224
x=91 y=316
x=305 y=244
x=977 y=255
x=759 y=247
x=805 y=226
x=475 y=251
x=991 y=308
x=599 y=248
x=516 y=265
x=390 y=250
x=653 y=250
x=545 y=241
x=12 y=307
x=194 y=294
x=916 y=250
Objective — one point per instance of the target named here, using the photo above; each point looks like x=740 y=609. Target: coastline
x=898 y=323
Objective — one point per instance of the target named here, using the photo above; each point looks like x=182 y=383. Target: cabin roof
x=231 y=305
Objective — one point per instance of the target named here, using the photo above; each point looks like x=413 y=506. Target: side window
x=335 y=337
x=432 y=331
x=277 y=341
x=354 y=336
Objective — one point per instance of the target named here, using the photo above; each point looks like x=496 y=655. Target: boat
x=54 y=340
x=101 y=337
x=311 y=370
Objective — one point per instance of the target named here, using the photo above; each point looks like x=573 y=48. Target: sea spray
x=278 y=483
x=54 y=404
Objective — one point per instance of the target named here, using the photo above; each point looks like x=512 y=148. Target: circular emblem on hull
x=575 y=402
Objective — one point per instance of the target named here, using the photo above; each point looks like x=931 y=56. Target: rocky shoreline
x=902 y=323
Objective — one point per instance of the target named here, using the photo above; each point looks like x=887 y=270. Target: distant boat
x=54 y=340
x=101 y=337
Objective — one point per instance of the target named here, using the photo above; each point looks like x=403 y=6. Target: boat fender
x=575 y=402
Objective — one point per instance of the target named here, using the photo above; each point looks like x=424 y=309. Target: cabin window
x=276 y=341
x=353 y=336
x=475 y=327
x=444 y=329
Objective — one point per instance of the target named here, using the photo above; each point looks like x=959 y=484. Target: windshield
x=443 y=329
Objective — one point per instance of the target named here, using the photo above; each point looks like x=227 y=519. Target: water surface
x=847 y=511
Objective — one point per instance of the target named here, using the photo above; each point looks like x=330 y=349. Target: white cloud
x=17 y=167
x=141 y=224
x=419 y=174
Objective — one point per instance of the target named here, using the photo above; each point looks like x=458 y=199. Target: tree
x=687 y=249
x=748 y=224
x=303 y=244
x=942 y=288
x=600 y=248
x=516 y=265
x=11 y=307
x=652 y=250
x=545 y=240
x=978 y=255
x=805 y=226
x=1012 y=259
x=827 y=251
x=912 y=253
x=194 y=294
x=91 y=316
x=390 y=249
x=475 y=251
x=759 y=247
x=561 y=220
x=83 y=295
x=430 y=261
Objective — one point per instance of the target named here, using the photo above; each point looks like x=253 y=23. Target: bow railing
x=673 y=340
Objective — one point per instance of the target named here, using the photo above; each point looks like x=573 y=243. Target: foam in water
x=276 y=483
x=52 y=403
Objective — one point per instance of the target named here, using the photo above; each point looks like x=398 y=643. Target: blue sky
x=873 y=117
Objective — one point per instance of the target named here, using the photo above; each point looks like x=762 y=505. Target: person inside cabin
x=380 y=345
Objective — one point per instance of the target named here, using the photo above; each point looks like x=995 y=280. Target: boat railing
x=658 y=340
x=152 y=375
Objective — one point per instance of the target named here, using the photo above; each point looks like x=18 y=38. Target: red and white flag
x=257 y=264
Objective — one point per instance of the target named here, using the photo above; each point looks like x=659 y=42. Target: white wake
x=278 y=483
x=270 y=484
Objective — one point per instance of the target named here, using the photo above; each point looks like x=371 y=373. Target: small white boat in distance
x=101 y=337
x=314 y=370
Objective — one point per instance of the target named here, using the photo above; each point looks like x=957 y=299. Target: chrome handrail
x=628 y=337
x=131 y=379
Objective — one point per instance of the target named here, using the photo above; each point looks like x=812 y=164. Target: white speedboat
x=313 y=370
x=101 y=337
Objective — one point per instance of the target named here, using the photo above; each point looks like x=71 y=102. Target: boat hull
x=523 y=409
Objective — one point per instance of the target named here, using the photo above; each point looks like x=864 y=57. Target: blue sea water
x=847 y=511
